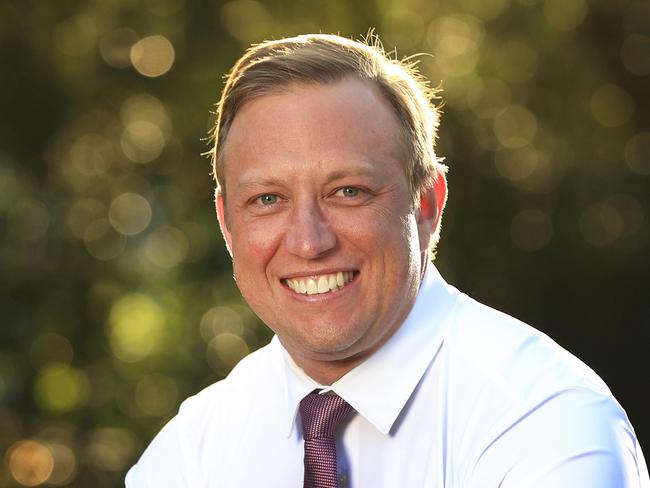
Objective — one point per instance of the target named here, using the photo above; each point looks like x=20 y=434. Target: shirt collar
x=379 y=388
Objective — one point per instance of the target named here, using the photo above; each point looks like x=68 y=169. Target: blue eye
x=269 y=199
x=349 y=191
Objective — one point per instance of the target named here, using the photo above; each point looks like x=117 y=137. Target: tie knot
x=321 y=414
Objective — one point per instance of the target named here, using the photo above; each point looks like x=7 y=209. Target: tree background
x=116 y=296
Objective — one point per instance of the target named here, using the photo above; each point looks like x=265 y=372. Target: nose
x=309 y=235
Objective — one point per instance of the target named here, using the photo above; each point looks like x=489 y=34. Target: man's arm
x=576 y=438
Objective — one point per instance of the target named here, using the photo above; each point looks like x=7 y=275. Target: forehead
x=349 y=120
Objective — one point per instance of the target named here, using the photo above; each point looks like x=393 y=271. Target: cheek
x=360 y=224
x=396 y=244
x=254 y=244
x=379 y=230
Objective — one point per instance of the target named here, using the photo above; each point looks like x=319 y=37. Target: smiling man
x=330 y=197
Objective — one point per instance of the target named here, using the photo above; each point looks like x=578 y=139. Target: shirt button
x=343 y=480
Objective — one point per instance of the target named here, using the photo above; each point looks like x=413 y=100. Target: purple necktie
x=321 y=414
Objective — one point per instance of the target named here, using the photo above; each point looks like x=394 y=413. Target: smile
x=316 y=285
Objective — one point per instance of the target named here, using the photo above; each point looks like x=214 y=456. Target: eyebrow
x=365 y=170
x=253 y=181
x=357 y=170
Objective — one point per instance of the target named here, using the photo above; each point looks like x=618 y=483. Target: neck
x=327 y=372
x=326 y=369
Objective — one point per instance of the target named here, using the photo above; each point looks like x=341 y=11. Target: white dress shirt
x=461 y=396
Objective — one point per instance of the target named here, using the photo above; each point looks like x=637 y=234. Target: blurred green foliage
x=116 y=300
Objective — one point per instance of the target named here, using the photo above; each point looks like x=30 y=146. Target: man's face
x=317 y=215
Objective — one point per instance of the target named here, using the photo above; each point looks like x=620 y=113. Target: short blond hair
x=323 y=59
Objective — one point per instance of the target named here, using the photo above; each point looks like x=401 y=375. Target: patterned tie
x=321 y=414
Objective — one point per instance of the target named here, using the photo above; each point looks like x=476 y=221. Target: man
x=330 y=199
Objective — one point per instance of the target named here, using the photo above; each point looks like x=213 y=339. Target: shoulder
x=536 y=412
x=257 y=372
x=515 y=359
x=220 y=407
x=207 y=422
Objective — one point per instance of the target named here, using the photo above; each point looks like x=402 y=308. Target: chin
x=331 y=347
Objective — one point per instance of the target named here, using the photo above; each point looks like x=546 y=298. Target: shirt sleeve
x=573 y=439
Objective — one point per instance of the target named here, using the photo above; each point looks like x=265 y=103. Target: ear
x=221 y=216
x=432 y=203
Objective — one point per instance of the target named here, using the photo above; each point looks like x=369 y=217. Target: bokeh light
x=156 y=395
x=637 y=153
x=634 y=54
x=515 y=127
x=565 y=15
x=516 y=164
x=91 y=154
x=455 y=40
x=146 y=128
x=152 y=56
x=60 y=388
x=221 y=319
x=489 y=97
x=225 y=350
x=630 y=211
x=75 y=36
x=129 y=213
x=115 y=47
x=142 y=141
x=30 y=462
x=65 y=464
x=111 y=449
x=136 y=327
x=145 y=108
x=51 y=348
x=611 y=106
x=82 y=213
x=102 y=241
x=601 y=224
x=166 y=247
x=246 y=20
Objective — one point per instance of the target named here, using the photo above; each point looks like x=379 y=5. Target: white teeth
x=331 y=283
x=312 y=288
x=322 y=284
